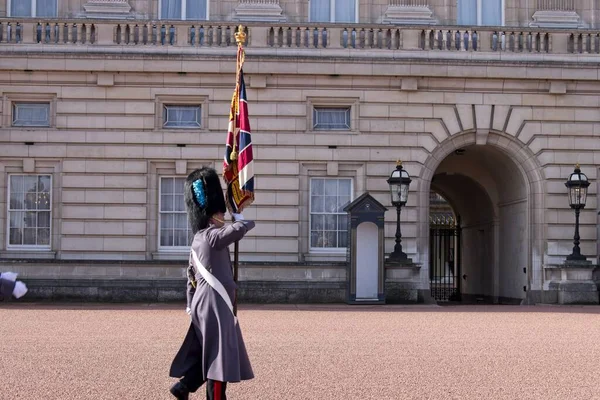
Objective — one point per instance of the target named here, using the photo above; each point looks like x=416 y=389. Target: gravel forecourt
x=114 y=351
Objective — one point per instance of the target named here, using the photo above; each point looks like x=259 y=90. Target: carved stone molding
x=556 y=19
x=259 y=10
x=409 y=14
x=107 y=8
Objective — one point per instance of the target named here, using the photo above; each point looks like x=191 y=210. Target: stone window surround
x=330 y=169
x=10 y=98
x=156 y=170
x=352 y=102
x=174 y=100
x=183 y=9
x=26 y=167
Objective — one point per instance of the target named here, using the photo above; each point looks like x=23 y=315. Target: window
x=175 y=232
x=32 y=8
x=29 y=210
x=473 y=12
x=331 y=118
x=328 y=221
x=31 y=114
x=181 y=116
x=184 y=9
x=333 y=10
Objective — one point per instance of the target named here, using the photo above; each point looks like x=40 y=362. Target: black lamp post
x=578 y=185
x=399 y=182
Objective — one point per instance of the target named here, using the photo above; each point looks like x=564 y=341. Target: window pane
x=320 y=10
x=166 y=221
x=16 y=237
x=166 y=202
x=46 y=8
x=20 y=8
x=317 y=222
x=43 y=201
x=29 y=236
x=343 y=201
x=317 y=204
x=178 y=185
x=43 y=236
x=343 y=239
x=17 y=201
x=467 y=12
x=16 y=184
x=331 y=187
x=171 y=9
x=345 y=186
x=17 y=219
x=316 y=186
x=181 y=237
x=329 y=239
x=182 y=116
x=196 y=9
x=29 y=184
x=30 y=201
x=43 y=219
x=491 y=13
x=330 y=222
x=180 y=221
x=30 y=219
x=44 y=183
x=31 y=114
x=166 y=185
x=166 y=237
x=178 y=202
x=345 y=11
x=331 y=204
x=316 y=239
x=326 y=118
x=342 y=223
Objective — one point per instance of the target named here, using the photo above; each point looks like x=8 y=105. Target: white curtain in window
x=332 y=118
x=46 y=8
x=196 y=9
x=20 y=8
x=170 y=9
x=466 y=13
x=491 y=12
x=320 y=10
x=345 y=10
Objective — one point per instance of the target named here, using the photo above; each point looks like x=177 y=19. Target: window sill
x=20 y=254
x=171 y=255
x=325 y=256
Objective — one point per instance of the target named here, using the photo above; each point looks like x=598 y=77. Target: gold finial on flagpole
x=398 y=163
x=240 y=35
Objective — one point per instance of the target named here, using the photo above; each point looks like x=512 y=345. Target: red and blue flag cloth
x=238 y=165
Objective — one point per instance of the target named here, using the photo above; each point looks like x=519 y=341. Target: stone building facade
x=106 y=105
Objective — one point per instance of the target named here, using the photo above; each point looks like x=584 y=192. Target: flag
x=238 y=165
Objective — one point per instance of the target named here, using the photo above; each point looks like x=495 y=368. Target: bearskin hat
x=203 y=197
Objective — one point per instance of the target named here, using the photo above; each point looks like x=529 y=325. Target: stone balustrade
x=210 y=34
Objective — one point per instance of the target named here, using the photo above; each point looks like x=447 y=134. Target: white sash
x=214 y=283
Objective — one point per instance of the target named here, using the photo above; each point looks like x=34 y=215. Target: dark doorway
x=444 y=250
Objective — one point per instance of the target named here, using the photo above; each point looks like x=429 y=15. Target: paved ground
x=309 y=352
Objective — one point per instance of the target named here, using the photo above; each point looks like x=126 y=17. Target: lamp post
x=399 y=182
x=578 y=185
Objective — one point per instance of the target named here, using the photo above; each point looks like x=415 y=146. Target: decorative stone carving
x=107 y=9
x=259 y=10
x=409 y=12
x=573 y=282
x=556 y=14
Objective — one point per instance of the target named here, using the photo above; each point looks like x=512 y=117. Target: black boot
x=180 y=391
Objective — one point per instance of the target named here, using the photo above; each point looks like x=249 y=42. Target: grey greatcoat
x=214 y=338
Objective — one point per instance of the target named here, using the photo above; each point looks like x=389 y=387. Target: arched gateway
x=495 y=188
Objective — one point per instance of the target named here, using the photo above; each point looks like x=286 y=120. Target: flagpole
x=240 y=38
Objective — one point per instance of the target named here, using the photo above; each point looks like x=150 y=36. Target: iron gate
x=444 y=258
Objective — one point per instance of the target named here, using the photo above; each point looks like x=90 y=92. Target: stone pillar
x=107 y=9
x=259 y=10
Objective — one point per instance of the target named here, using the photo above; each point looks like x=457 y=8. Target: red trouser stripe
x=217 y=388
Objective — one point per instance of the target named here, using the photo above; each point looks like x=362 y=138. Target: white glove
x=20 y=289
x=238 y=217
x=10 y=276
x=188 y=311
